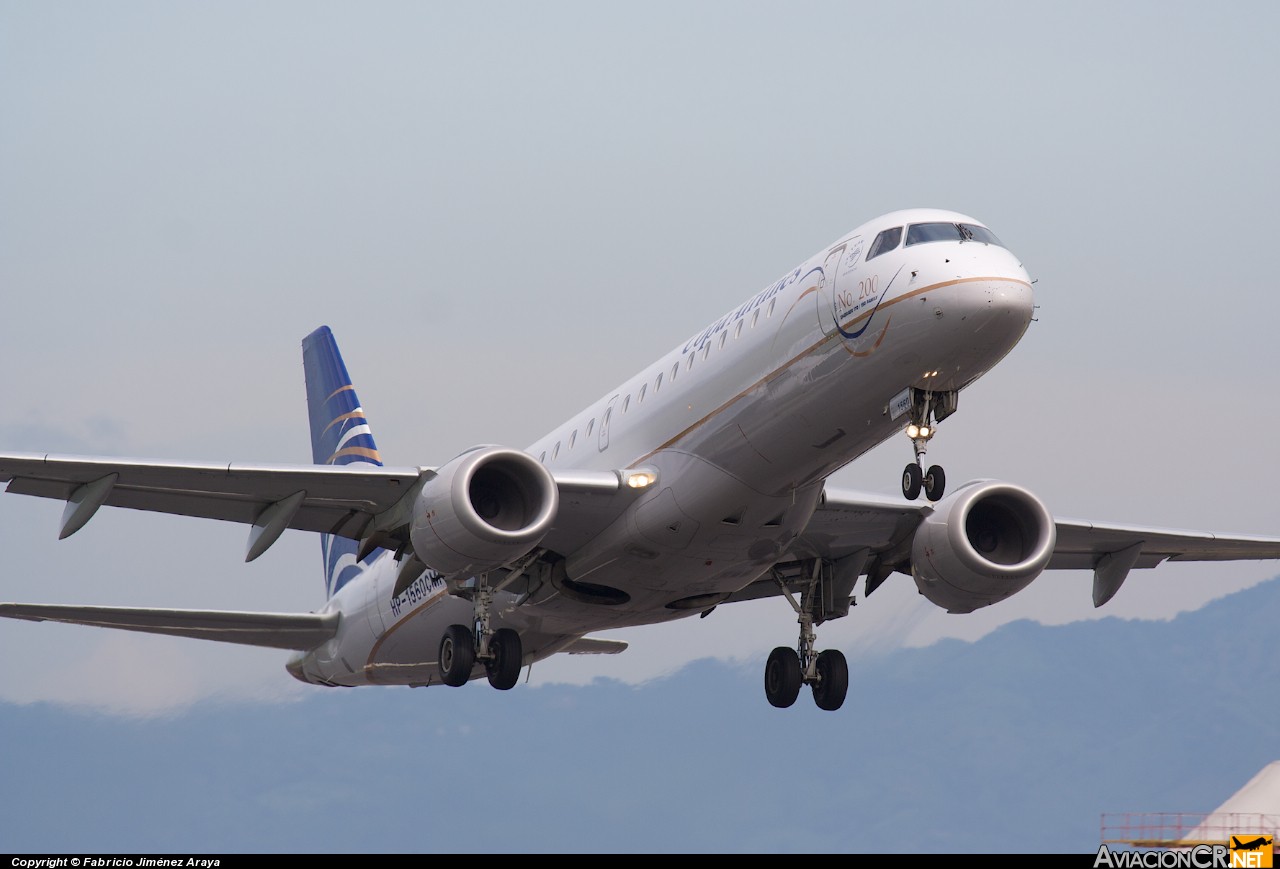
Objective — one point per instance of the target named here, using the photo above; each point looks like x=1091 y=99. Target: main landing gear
x=501 y=650
x=501 y=655
x=924 y=407
x=826 y=673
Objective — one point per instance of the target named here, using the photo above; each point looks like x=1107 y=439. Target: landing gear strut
x=501 y=651
x=826 y=673
x=926 y=406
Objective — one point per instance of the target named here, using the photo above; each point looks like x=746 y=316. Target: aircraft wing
x=355 y=501
x=846 y=522
x=302 y=631
x=1080 y=544
x=877 y=531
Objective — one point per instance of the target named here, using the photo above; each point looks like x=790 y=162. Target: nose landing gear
x=926 y=406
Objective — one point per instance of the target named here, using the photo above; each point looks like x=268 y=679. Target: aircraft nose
x=999 y=309
x=1010 y=298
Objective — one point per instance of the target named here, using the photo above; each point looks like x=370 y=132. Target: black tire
x=508 y=653
x=782 y=677
x=912 y=480
x=457 y=655
x=935 y=483
x=833 y=680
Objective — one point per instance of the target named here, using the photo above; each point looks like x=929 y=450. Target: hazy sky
x=503 y=210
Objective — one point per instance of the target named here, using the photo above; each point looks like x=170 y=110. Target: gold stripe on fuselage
x=370 y=666
x=803 y=354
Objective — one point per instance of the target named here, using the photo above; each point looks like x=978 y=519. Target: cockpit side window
x=922 y=233
x=885 y=242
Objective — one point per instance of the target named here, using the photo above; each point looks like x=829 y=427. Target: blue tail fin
x=340 y=435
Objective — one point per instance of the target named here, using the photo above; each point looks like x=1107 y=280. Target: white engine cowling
x=482 y=510
x=983 y=543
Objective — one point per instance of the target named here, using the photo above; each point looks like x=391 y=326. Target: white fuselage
x=742 y=422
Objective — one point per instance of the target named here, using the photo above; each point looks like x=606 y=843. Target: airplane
x=1251 y=845
x=699 y=482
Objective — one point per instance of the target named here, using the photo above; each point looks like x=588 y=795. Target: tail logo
x=340 y=435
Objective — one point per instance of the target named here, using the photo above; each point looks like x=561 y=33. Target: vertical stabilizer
x=340 y=435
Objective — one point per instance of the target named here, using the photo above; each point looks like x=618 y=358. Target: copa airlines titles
x=111 y=862
x=695 y=343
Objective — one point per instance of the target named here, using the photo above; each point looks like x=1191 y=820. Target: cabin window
x=690 y=365
x=675 y=369
x=573 y=438
x=543 y=458
x=640 y=394
x=657 y=384
x=626 y=402
x=590 y=426
x=723 y=337
x=885 y=242
x=555 y=451
x=755 y=316
x=706 y=350
x=737 y=331
x=772 y=304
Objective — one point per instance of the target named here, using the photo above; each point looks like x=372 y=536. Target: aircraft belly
x=705 y=534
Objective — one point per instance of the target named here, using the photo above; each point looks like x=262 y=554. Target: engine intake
x=980 y=545
x=483 y=510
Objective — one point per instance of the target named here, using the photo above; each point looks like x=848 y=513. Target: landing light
x=641 y=479
x=924 y=431
x=913 y=431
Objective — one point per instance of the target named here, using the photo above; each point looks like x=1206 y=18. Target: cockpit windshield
x=921 y=233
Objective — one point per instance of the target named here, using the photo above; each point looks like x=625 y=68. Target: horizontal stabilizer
x=301 y=631
x=593 y=646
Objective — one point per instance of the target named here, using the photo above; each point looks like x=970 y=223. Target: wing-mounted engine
x=483 y=510
x=983 y=543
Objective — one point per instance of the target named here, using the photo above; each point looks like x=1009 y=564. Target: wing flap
x=301 y=631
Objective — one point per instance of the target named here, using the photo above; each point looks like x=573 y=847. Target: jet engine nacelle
x=483 y=510
x=981 y=544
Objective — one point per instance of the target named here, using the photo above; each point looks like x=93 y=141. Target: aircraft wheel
x=507 y=651
x=934 y=483
x=457 y=655
x=912 y=480
x=833 y=680
x=782 y=677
